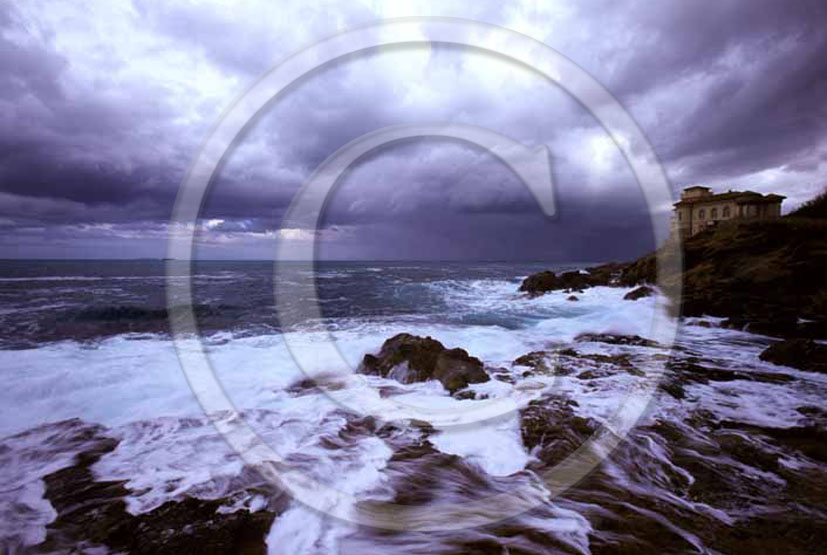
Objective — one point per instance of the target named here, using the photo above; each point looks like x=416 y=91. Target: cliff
x=766 y=274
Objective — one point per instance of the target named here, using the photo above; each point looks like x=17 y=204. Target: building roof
x=740 y=197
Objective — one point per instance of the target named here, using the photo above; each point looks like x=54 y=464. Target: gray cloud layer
x=103 y=104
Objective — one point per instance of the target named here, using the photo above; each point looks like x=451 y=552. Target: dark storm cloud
x=104 y=105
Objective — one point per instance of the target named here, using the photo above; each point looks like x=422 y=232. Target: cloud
x=104 y=104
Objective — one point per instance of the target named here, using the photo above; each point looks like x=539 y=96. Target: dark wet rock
x=813 y=416
x=718 y=459
x=606 y=274
x=622 y=360
x=748 y=451
x=673 y=388
x=773 y=533
x=685 y=371
x=572 y=298
x=420 y=469
x=639 y=293
x=804 y=354
x=408 y=359
x=92 y=514
x=331 y=382
x=360 y=427
x=681 y=372
x=551 y=430
x=810 y=440
x=778 y=325
x=544 y=282
x=456 y=369
x=502 y=375
x=545 y=362
x=535 y=359
x=591 y=375
x=419 y=475
x=568 y=361
x=466 y=395
x=612 y=339
x=539 y=283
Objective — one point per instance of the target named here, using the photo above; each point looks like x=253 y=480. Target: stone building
x=699 y=208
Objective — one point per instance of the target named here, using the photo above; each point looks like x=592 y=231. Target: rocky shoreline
x=763 y=276
x=692 y=484
x=770 y=481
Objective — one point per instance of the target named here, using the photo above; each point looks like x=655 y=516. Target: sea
x=88 y=343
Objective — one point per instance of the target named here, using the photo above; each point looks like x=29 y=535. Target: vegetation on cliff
x=768 y=275
x=813 y=208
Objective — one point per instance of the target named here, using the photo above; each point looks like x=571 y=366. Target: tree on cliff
x=813 y=208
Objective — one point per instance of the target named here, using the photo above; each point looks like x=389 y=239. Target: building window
x=701 y=214
x=726 y=211
x=713 y=213
x=679 y=216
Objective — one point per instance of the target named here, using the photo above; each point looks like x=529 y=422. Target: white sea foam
x=169 y=449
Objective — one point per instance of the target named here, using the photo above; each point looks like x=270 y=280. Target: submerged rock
x=804 y=354
x=545 y=362
x=639 y=293
x=409 y=358
x=92 y=514
x=682 y=372
x=613 y=339
x=552 y=431
x=535 y=359
x=572 y=298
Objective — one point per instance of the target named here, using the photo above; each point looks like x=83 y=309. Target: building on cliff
x=699 y=209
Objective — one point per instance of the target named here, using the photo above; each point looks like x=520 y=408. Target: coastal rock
x=613 y=339
x=543 y=282
x=539 y=283
x=573 y=281
x=537 y=360
x=456 y=369
x=777 y=325
x=572 y=298
x=545 y=362
x=567 y=361
x=93 y=514
x=804 y=354
x=552 y=431
x=639 y=293
x=682 y=372
x=409 y=358
x=606 y=274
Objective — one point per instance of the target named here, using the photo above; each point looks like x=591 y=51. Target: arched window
x=713 y=213
x=726 y=211
x=701 y=214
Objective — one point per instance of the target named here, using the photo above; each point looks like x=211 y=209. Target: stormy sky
x=104 y=103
